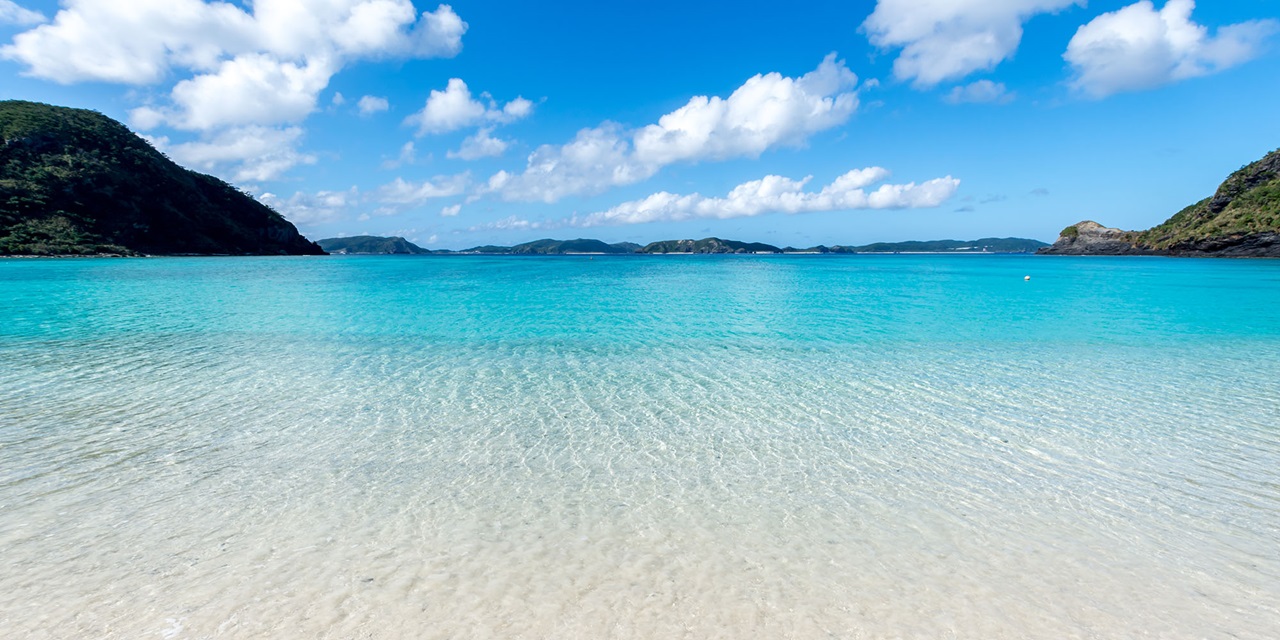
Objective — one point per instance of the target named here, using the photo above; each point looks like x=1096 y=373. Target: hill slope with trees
x=74 y=181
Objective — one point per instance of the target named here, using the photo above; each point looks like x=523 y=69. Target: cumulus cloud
x=982 y=91
x=12 y=13
x=778 y=194
x=140 y=41
x=408 y=155
x=370 y=105
x=249 y=89
x=451 y=210
x=949 y=39
x=480 y=145
x=455 y=108
x=259 y=64
x=1138 y=48
x=255 y=153
x=770 y=194
x=509 y=223
x=767 y=111
x=146 y=118
x=403 y=193
x=314 y=208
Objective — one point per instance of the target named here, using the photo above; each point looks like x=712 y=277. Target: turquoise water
x=640 y=447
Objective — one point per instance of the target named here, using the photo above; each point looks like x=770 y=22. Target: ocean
x=640 y=447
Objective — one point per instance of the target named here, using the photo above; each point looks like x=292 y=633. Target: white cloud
x=980 y=92
x=318 y=208
x=12 y=13
x=408 y=155
x=767 y=111
x=251 y=153
x=480 y=145
x=146 y=118
x=250 y=89
x=515 y=110
x=455 y=108
x=509 y=223
x=247 y=65
x=139 y=41
x=771 y=194
x=1139 y=48
x=403 y=193
x=949 y=39
x=130 y=43
x=451 y=210
x=778 y=194
x=370 y=105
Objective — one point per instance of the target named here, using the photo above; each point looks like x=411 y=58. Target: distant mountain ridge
x=708 y=245
x=547 y=246
x=1241 y=219
x=981 y=245
x=74 y=181
x=580 y=246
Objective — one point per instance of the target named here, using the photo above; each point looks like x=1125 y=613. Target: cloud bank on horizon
x=233 y=90
x=771 y=194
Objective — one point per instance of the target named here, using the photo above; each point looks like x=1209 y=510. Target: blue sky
x=801 y=123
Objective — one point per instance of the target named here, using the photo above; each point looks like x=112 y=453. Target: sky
x=798 y=123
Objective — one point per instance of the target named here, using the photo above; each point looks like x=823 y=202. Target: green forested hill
x=1246 y=203
x=74 y=181
x=1241 y=219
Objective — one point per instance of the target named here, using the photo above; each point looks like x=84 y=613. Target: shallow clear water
x=662 y=447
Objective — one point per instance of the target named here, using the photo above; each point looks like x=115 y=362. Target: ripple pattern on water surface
x=639 y=448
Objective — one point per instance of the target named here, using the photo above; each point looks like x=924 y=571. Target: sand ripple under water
x=437 y=448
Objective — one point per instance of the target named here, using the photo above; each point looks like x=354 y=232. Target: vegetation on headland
x=1241 y=219
x=1247 y=202
x=75 y=182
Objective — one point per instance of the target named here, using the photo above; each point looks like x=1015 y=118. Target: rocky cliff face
x=1251 y=245
x=1091 y=238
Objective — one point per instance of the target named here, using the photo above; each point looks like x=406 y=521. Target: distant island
x=1242 y=219
x=375 y=245
x=546 y=247
x=75 y=182
x=370 y=245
